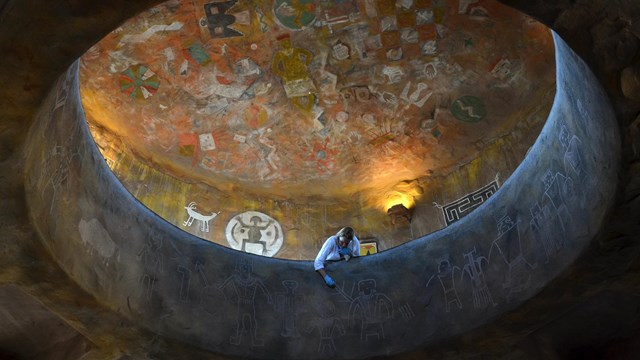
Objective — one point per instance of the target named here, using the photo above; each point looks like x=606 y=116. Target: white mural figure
x=287 y=304
x=185 y=283
x=551 y=216
x=256 y=233
x=509 y=248
x=144 y=36
x=418 y=97
x=558 y=189
x=327 y=325
x=97 y=239
x=407 y=312
x=271 y=157
x=446 y=278
x=573 y=155
x=481 y=295
x=194 y=215
x=63 y=86
x=242 y=287
x=153 y=260
x=370 y=309
x=209 y=293
x=59 y=162
x=541 y=217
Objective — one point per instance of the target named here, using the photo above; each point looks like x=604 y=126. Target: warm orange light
x=395 y=198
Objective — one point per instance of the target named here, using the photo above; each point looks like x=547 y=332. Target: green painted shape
x=294 y=15
x=469 y=109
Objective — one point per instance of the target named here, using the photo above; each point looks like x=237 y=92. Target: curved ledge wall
x=413 y=295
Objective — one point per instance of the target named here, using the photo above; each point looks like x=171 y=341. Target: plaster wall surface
x=162 y=82
x=238 y=304
x=588 y=312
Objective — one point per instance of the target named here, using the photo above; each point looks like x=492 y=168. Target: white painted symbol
x=415 y=97
x=138 y=38
x=407 y=312
x=194 y=215
x=429 y=48
x=502 y=70
x=469 y=109
x=409 y=36
x=207 y=142
x=542 y=224
x=96 y=237
x=184 y=67
x=464 y=5
x=256 y=233
x=328 y=325
x=446 y=277
x=370 y=8
x=242 y=287
x=153 y=265
x=481 y=294
x=509 y=250
x=389 y=23
x=430 y=70
x=370 y=310
x=405 y=4
x=424 y=16
x=394 y=73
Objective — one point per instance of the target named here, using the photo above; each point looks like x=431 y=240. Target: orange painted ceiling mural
x=316 y=98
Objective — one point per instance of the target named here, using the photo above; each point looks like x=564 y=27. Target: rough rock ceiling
x=315 y=98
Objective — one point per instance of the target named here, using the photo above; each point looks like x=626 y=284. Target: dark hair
x=346 y=232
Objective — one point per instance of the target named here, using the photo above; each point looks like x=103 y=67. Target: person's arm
x=322 y=272
x=355 y=249
x=322 y=255
x=318 y=264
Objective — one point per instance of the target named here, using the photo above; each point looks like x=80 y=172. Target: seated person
x=343 y=245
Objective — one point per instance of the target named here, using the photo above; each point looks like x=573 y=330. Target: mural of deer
x=194 y=215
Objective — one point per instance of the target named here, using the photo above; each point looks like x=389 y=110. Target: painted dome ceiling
x=316 y=98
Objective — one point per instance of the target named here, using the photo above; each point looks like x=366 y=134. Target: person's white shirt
x=330 y=248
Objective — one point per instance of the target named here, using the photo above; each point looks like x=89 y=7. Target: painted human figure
x=371 y=309
x=446 y=278
x=243 y=285
x=254 y=232
x=290 y=63
x=481 y=294
x=152 y=259
x=558 y=191
x=543 y=229
x=573 y=162
x=327 y=324
x=287 y=304
x=509 y=249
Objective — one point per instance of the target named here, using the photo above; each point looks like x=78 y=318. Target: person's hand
x=329 y=281
x=345 y=252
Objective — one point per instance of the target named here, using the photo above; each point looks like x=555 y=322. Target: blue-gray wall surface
x=413 y=295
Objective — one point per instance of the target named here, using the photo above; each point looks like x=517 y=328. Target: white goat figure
x=194 y=215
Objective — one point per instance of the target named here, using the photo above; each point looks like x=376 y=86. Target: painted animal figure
x=194 y=215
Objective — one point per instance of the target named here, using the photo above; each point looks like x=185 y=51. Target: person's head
x=345 y=235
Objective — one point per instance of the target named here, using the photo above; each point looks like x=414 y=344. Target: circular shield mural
x=255 y=232
x=294 y=14
x=469 y=109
